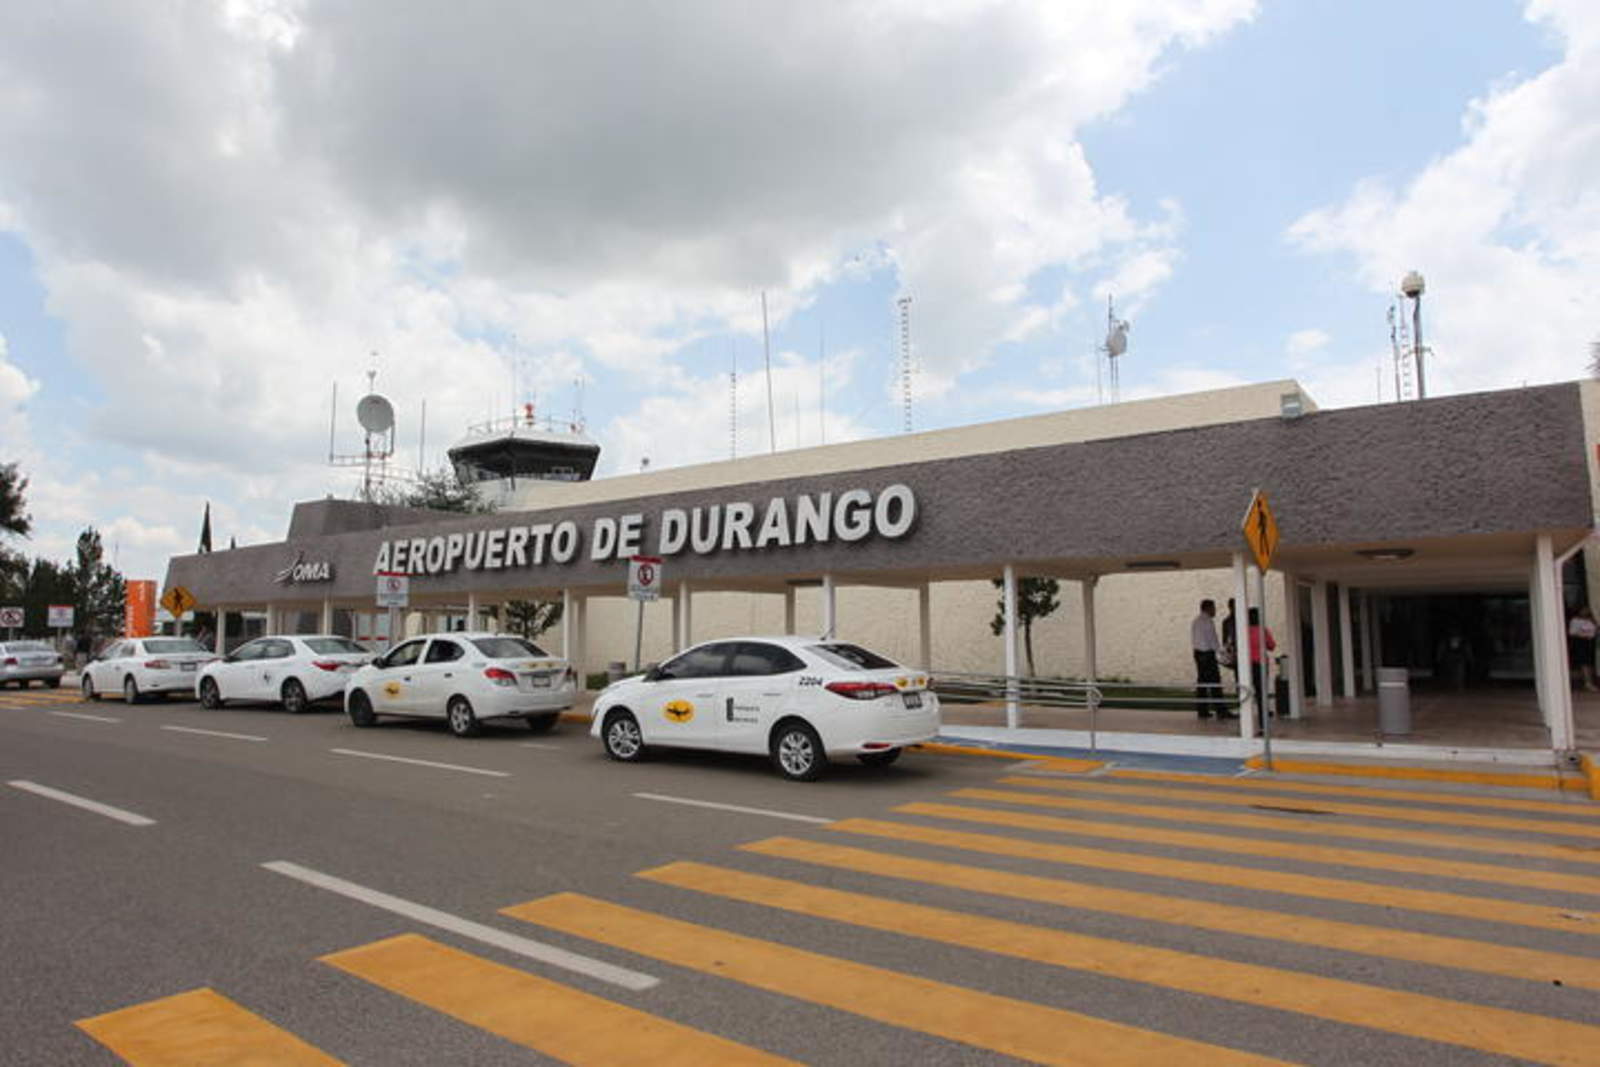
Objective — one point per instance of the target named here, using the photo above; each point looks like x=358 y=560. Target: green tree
x=530 y=618
x=99 y=592
x=47 y=583
x=14 y=517
x=438 y=489
x=1036 y=598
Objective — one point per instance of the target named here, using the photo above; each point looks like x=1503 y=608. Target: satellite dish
x=375 y=413
x=1117 y=338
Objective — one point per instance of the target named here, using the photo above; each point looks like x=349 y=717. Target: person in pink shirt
x=1259 y=634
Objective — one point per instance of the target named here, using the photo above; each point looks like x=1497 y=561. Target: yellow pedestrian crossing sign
x=179 y=601
x=1261 y=530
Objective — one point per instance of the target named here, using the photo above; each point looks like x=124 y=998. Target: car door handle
x=448 y=674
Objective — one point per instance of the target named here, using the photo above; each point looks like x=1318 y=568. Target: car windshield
x=506 y=647
x=173 y=644
x=334 y=646
x=853 y=657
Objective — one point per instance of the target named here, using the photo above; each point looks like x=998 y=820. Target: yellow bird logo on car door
x=391 y=689
x=678 y=711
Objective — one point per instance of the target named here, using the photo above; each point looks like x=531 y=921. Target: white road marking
x=540 y=744
x=421 y=762
x=214 y=733
x=731 y=807
x=81 y=802
x=522 y=946
x=83 y=715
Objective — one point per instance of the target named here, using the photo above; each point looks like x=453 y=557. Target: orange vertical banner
x=139 y=611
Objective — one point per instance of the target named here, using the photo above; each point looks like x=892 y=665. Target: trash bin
x=1394 y=701
x=616 y=670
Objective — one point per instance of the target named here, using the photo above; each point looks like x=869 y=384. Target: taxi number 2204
x=806 y=680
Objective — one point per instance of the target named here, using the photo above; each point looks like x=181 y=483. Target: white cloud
x=232 y=205
x=1506 y=228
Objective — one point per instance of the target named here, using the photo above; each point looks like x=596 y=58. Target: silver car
x=23 y=662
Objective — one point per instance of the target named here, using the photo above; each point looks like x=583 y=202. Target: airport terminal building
x=1450 y=537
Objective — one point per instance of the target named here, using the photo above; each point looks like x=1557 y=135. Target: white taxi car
x=465 y=679
x=29 y=661
x=293 y=670
x=799 y=700
x=145 y=666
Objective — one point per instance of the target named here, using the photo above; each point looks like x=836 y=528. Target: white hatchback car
x=465 y=679
x=293 y=670
x=799 y=700
x=145 y=666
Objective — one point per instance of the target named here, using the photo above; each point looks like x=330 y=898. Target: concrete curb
x=1552 y=779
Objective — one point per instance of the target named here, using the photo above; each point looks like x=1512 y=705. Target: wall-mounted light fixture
x=1388 y=554
x=1152 y=564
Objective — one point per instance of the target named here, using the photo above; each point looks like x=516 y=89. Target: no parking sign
x=644 y=577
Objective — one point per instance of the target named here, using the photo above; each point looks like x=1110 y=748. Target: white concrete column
x=1292 y=643
x=222 y=629
x=1091 y=650
x=327 y=615
x=789 y=596
x=685 y=608
x=830 y=609
x=580 y=645
x=1369 y=628
x=1322 y=642
x=472 y=611
x=1241 y=639
x=1009 y=612
x=1536 y=628
x=1347 y=644
x=925 y=627
x=566 y=625
x=1554 y=665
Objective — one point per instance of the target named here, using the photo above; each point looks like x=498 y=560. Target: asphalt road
x=518 y=898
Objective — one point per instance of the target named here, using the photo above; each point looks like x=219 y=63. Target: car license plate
x=188 y=666
x=913 y=700
x=539 y=681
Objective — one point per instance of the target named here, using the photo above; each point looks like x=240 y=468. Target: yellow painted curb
x=1591 y=774
x=1510 y=779
x=1060 y=763
x=575 y=716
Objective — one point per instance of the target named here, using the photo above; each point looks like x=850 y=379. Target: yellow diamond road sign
x=179 y=601
x=1261 y=530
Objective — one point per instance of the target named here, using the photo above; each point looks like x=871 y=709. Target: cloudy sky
x=211 y=212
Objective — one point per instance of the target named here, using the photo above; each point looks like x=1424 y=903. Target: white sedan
x=145 y=666
x=799 y=700
x=465 y=679
x=293 y=670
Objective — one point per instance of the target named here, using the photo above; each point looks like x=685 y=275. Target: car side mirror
x=380 y=661
x=655 y=674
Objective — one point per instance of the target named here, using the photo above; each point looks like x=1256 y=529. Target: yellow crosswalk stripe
x=536 y=1013
x=1343 y=857
x=200 y=1028
x=1578 y=806
x=1470 y=819
x=1494 y=1030
x=1508 y=961
x=983 y=1020
x=1383 y=896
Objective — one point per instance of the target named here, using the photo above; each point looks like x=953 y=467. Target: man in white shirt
x=1207 y=676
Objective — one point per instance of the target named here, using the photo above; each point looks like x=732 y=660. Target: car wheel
x=210 y=695
x=88 y=689
x=621 y=735
x=797 y=752
x=458 y=713
x=130 y=690
x=880 y=759
x=543 y=724
x=294 y=697
x=359 y=708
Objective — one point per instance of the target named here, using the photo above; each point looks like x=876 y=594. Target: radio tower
x=905 y=358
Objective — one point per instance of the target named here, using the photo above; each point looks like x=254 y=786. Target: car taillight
x=157 y=665
x=326 y=664
x=11 y=661
x=861 y=690
x=500 y=676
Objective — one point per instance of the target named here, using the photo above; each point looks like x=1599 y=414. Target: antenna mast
x=1116 y=344
x=905 y=358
